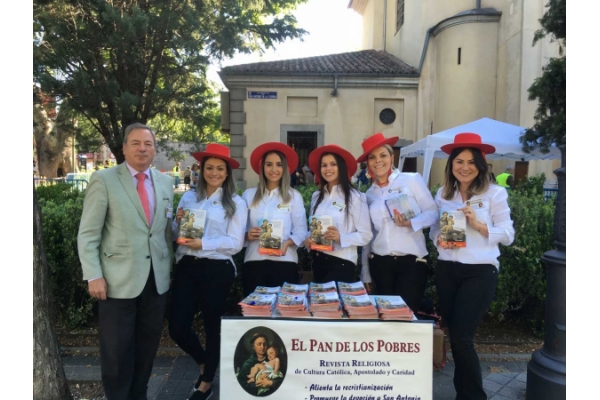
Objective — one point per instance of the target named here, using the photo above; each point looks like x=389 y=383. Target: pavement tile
x=500 y=397
x=163 y=362
x=499 y=378
x=515 y=384
x=493 y=386
x=512 y=393
x=522 y=377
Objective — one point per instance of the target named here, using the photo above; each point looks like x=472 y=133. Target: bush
x=522 y=278
x=61 y=213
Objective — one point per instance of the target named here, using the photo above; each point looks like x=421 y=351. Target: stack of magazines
x=267 y=289
x=321 y=287
x=258 y=305
x=393 y=308
x=325 y=305
x=353 y=288
x=292 y=305
x=293 y=288
x=359 y=307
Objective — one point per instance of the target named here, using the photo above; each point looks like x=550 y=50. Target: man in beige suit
x=125 y=249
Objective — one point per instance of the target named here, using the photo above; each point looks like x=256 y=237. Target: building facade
x=428 y=65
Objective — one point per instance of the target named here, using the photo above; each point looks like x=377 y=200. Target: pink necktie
x=141 y=189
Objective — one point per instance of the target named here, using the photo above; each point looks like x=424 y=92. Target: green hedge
x=521 y=283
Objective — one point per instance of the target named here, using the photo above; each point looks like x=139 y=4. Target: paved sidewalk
x=504 y=376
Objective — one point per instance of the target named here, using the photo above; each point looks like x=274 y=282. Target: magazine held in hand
x=317 y=226
x=453 y=228
x=403 y=205
x=191 y=225
x=271 y=234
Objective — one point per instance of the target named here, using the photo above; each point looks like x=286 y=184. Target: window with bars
x=399 y=14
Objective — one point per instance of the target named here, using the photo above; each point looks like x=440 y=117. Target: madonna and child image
x=260 y=361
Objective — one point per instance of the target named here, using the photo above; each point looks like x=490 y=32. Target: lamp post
x=547 y=370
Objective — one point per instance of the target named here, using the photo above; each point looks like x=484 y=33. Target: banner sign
x=316 y=359
x=262 y=95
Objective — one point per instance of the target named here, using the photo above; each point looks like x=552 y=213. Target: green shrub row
x=521 y=283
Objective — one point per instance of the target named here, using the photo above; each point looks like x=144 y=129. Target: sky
x=332 y=28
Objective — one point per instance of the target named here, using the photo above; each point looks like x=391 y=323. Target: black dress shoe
x=198 y=395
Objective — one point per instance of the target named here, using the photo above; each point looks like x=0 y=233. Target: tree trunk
x=51 y=140
x=49 y=380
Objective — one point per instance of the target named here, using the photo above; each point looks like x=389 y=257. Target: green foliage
x=522 y=279
x=115 y=63
x=61 y=213
x=550 y=90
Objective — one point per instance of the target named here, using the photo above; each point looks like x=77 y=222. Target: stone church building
x=426 y=66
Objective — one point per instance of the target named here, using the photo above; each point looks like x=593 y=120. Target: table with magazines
x=325 y=341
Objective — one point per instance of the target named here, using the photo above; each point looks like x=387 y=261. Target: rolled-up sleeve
x=233 y=241
x=359 y=212
x=299 y=224
x=429 y=210
x=502 y=230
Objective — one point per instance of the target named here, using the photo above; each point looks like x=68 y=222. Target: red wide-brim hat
x=374 y=142
x=468 y=139
x=258 y=153
x=218 y=151
x=314 y=159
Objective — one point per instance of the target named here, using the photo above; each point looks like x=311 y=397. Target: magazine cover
x=322 y=287
x=271 y=235
x=294 y=288
x=191 y=225
x=453 y=228
x=317 y=226
x=404 y=205
x=267 y=289
x=353 y=288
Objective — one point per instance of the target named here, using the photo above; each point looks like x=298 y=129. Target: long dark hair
x=228 y=188
x=343 y=182
x=479 y=185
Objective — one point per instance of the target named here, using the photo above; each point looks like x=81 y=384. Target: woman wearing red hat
x=391 y=257
x=205 y=270
x=273 y=200
x=466 y=276
x=337 y=198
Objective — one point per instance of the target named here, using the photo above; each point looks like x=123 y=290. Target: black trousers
x=200 y=284
x=130 y=331
x=465 y=294
x=399 y=276
x=327 y=268
x=267 y=273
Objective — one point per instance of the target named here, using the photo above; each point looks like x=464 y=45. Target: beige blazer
x=115 y=241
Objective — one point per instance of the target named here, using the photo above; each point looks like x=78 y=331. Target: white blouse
x=494 y=212
x=223 y=237
x=388 y=238
x=354 y=230
x=271 y=207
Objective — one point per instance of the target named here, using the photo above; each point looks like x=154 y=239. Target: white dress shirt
x=272 y=207
x=494 y=212
x=223 y=237
x=388 y=238
x=354 y=230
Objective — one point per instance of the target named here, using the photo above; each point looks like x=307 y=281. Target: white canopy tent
x=504 y=137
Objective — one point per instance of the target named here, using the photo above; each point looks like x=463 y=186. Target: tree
x=49 y=380
x=51 y=131
x=117 y=62
x=551 y=88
